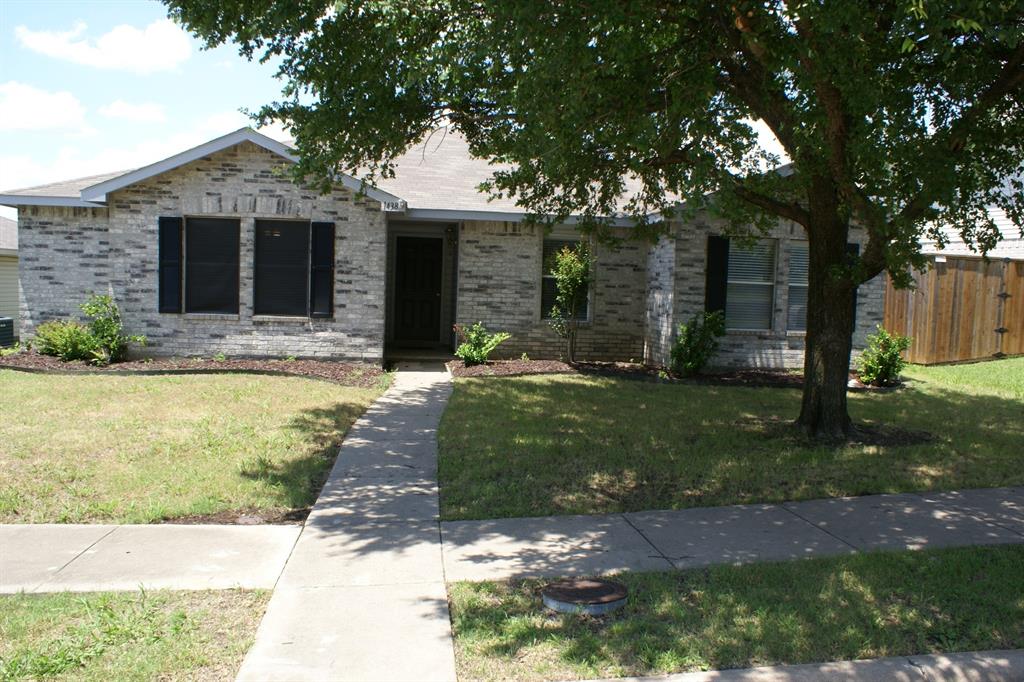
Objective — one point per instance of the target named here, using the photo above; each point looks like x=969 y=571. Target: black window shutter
x=321 y=271
x=717 y=274
x=169 y=258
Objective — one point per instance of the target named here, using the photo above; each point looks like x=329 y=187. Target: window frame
x=772 y=284
x=545 y=315
x=185 y=260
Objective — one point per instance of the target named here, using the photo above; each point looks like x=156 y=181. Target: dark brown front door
x=418 y=289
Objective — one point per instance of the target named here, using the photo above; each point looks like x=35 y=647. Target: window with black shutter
x=548 y=287
x=211 y=265
x=281 y=273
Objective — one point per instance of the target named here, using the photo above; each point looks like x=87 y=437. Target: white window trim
x=772 y=284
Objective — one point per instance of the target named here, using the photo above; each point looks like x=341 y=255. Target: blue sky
x=92 y=87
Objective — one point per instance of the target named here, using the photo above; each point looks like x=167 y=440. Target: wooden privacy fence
x=960 y=309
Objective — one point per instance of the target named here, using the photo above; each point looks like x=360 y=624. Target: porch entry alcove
x=421 y=289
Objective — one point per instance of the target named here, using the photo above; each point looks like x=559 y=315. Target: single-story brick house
x=214 y=250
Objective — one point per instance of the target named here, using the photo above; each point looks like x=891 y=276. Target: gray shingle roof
x=8 y=233
x=65 y=188
x=437 y=174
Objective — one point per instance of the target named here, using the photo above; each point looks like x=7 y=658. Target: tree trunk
x=830 y=319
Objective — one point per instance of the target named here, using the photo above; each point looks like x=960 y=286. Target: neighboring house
x=9 y=271
x=214 y=250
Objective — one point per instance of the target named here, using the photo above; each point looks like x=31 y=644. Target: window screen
x=211 y=265
x=799 y=261
x=751 y=287
x=548 y=289
x=281 y=278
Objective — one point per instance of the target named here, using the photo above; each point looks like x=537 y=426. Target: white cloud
x=161 y=46
x=26 y=107
x=146 y=112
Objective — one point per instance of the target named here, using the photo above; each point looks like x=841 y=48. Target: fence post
x=1001 y=309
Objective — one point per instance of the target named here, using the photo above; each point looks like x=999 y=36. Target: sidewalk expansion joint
x=826 y=531
x=76 y=557
x=659 y=553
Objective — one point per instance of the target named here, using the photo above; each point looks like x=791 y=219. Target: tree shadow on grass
x=563 y=445
x=797 y=612
x=299 y=480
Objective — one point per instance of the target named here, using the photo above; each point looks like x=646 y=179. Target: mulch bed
x=510 y=368
x=245 y=517
x=741 y=377
x=347 y=373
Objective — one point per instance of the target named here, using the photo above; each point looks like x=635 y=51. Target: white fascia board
x=16 y=200
x=500 y=216
x=99 y=191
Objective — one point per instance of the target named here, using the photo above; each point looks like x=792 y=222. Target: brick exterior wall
x=775 y=348
x=68 y=253
x=499 y=284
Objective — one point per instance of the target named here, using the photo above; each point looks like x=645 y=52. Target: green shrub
x=697 y=342
x=65 y=339
x=476 y=345
x=99 y=342
x=882 y=361
x=108 y=330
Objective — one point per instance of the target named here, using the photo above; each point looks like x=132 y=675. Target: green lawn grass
x=135 y=449
x=862 y=606
x=533 y=446
x=125 y=636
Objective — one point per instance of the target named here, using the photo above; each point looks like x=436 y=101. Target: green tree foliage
x=897 y=115
x=572 y=270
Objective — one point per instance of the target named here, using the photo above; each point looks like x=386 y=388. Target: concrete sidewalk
x=91 y=558
x=363 y=595
x=972 y=666
x=649 y=541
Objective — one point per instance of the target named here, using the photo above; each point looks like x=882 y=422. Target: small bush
x=65 y=339
x=476 y=345
x=108 y=330
x=697 y=342
x=99 y=342
x=882 y=361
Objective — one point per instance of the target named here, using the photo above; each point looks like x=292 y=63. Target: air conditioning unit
x=6 y=332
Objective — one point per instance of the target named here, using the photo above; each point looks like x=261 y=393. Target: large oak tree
x=897 y=115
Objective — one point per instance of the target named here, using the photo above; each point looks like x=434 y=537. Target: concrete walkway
x=91 y=558
x=363 y=595
x=650 y=541
x=973 y=666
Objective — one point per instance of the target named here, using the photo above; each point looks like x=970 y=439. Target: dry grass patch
x=138 y=449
